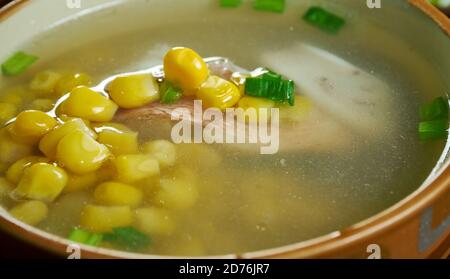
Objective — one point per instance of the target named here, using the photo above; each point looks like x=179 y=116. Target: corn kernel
x=162 y=150
x=118 y=138
x=154 y=221
x=296 y=113
x=14 y=95
x=11 y=150
x=7 y=112
x=44 y=83
x=178 y=193
x=49 y=142
x=41 y=181
x=42 y=104
x=115 y=193
x=132 y=168
x=219 y=93
x=105 y=218
x=68 y=82
x=5 y=187
x=262 y=107
x=30 y=126
x=80 y=153
x=134 y=91
x=185 y=68
x=30 y=212
x=16 y=170
x=88 y=104
x=80 y=182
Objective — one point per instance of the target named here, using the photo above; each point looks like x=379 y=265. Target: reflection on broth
x=348 y=148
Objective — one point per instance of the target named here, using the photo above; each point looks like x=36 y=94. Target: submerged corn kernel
x=80 y=153
x=42 y=104
x=185 y=68
x=154 y=221
x=219 y=93
x=41 y=181
x=11 y=150
x=132 y=168
x=134 y=90
x=115 y=193
x=162 y=150
x=5 y=187
x=178 y=193
x=16 y=170
x=14 y=95
x=105 y=218
x=69 y=81
x=44 y=83
x=296 y=113
x=30 y=212
x=49 y=142
x=80 y=182
x=262 y=107
x=86 y=103
x=30 y=126
x=7 y=112
x=118 y=138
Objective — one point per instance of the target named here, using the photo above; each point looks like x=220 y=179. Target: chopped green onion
x=169 y=93
x=323 y=19
x=271 y=86
x=438 y=109
x=435 y=129
x=85 y=237
x=128 y=237
x=230 y=3
x=17 y=63
x=276 y=6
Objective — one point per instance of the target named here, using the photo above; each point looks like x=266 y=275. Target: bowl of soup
x=231 y=129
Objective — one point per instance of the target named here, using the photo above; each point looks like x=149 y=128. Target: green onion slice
x=271 y=86
x=432 y=130
x=323 y=19
x=128 y=237
x=438 y=109
x=85 y=237
x=230 y=3
x=276 y=6
x=18 y=63
x=169 y=93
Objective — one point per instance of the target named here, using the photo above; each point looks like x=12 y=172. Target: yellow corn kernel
x=5 y=187
x=132 y=168
x=11 y=150
x=262 y=107
x=154 y=221
x=30 y=126
x=80 y=182
x=7 y=112
x=296 y=113
x=14 y=95
x=16 y=170
x=118 y=138
x=105 y=218
x=185 y=68
x=49 y=142
x=134 y=91
x=219 y=93
x=41 y=181
x=68 y=82
x=44 y=83
x=178 y=193
x=80 y=153
x=202 y=156
x=30 y=212
x=162 y=150
x=115 y=193
x=88 y=104
x=42 y=104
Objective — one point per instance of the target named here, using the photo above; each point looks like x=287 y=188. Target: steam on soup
x=98 y=165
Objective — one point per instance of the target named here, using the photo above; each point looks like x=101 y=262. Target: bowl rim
x=323 y=246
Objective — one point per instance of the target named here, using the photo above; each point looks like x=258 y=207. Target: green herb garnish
x=230 y=3
x=85 y=237
x=271 y=86
x=434 y=120
x=18 y=63
x=438 y=109
x=169 y=93
x=128 y=237
x=276 y=6
x=324 y=20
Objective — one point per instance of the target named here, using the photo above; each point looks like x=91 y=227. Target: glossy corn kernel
x=7 y=112
x=69 y=81
x=80 y=182
x=115 y=193
x=162 y=150
x=42 y=104
x=30 y=212
x=30 y=126
x=218 y=93
x=134 y=91
x=80 y=153
x=118 y=138
x=16 y=170
x=49 y=142
x=179 y=193
x=154 y=221
x=41 y=181
x=88 y=104
x=105 y=218
x=11 y=150
x=185 y=68
x=44 y=83
x=132 y=168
